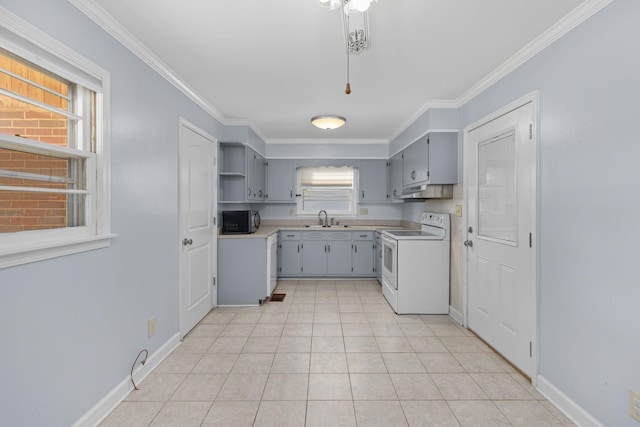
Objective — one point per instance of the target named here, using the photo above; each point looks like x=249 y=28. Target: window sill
x=40 y=252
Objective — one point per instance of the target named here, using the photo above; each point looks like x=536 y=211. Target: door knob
x=186 y=241
x=468 y=243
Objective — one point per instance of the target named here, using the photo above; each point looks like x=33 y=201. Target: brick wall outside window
x=21 y=211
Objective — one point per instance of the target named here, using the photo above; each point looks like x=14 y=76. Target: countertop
x=267 y=230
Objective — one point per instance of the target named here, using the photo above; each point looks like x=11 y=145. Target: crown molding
x=430 y=104
x=559 y=29
x=576 y=17
x=98 y=15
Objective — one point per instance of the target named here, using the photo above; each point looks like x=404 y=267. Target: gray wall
x=71 y=327
x=588 y=206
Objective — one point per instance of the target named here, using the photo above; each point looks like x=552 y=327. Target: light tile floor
x=333 y=353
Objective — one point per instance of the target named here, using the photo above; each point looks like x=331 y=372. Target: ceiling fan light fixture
x=328 y=122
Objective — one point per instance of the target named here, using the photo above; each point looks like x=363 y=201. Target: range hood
x=426 y=191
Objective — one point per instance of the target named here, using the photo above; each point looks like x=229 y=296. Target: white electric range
x=415 y=266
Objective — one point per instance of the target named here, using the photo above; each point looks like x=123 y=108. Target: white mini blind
x=327 y=176
x=327 y=188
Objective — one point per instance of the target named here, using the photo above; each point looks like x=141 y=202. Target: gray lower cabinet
x=290 y=254
x=363 y=254
x=314 y=258
x=339 y=258
x=326 y=253
x=242 y=271
x=378 y=257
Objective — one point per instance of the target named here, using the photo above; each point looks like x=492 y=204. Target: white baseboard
x=103 y=408
x=457 y=316
x=564 y=403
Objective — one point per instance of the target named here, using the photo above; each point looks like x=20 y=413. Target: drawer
x=315 y=235
x=290 y=235
x=340 y=235
x=363 y=235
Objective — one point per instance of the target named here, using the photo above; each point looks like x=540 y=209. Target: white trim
x=552 y=34
x=184 y=123
x=577 y=16
x=98 y=15
x=428 y=105
x=54 y=250
x=107 y=404
x=456 y=315
x=533 y=99
x=34 y=45
x=566 y=405
x=421 y=135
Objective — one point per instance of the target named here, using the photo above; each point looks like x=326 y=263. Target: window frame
x=300 y=212
x=31 y=44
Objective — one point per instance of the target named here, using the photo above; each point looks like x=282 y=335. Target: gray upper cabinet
x=395 y=176
x=431 y=160
x=281 y=183
x=373 y=181
x=416 y=163
x=232 y=173
x=260 y=181
x=443 y=158
x=241 y=174
x=256 y=171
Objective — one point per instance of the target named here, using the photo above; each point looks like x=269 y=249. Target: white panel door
x=501 y=259
x=198 y=234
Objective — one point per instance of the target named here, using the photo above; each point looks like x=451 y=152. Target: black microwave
x=240 y=222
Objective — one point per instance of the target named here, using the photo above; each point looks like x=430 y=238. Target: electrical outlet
x=634 y=404
x=292 y=212
x=364 y=211
x=458 y=210
x=152 y=326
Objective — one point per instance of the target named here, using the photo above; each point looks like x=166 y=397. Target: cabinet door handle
x=291 y=194
x=363 y=194
x=248 y=191
x=260 y=193
x=413 y=174
x=329 y=246
x=356 y=248
x=298 y=248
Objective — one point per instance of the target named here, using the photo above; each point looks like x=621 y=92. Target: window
x=326 y=187
x=53 y=156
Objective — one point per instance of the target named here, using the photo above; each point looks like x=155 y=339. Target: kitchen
x=587 y=85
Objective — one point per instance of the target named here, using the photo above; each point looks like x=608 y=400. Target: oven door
x=390 y=261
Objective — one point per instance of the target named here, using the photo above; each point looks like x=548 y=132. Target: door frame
x=182 y=122
x=533 y=99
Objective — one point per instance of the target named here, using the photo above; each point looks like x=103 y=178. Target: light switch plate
x=458 y=210
x=364 y=211
x=634 y=404
x=152 y=326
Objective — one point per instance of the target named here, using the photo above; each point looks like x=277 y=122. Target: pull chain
x=347 y=90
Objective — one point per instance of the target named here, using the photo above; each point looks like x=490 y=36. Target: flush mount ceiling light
x=355 y=23
x=328 y=122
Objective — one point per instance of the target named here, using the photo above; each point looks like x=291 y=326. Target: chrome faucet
x=324 y=223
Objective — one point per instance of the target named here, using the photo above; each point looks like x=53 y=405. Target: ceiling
x=275 y=64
